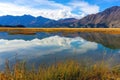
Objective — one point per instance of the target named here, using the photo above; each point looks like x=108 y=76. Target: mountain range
x=109 y=18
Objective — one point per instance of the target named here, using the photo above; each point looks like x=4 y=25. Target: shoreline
x=65 y=30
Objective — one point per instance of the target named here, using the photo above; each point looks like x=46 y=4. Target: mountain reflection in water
x=108 y=40
x=49 y=48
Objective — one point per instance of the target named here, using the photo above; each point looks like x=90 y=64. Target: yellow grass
x=65 y=30
x=68 y=70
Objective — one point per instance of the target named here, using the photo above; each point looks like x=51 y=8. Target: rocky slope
x=108 y=18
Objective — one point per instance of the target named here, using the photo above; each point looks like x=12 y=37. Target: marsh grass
x=68 y=70
x=64 y=30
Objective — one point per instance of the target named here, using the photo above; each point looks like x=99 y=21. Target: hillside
x=108 y=18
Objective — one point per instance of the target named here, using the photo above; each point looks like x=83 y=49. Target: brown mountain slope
x=108 y=18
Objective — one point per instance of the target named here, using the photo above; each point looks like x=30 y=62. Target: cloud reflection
x=53 y=41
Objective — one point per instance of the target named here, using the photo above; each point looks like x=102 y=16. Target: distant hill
x=30 y=21
x=106 y=19
x=68 y=22
x=25 y=20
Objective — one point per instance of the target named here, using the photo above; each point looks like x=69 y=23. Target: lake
x=50 y=48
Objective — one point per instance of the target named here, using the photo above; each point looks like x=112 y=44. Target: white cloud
x=45 y=8
x=11 y=9
x=84 y=7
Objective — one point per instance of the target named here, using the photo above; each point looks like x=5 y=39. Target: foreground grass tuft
x=69 y=70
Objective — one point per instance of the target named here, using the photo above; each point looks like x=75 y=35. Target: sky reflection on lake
x=43 y=48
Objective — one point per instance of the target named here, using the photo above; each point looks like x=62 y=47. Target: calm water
x=49 y=48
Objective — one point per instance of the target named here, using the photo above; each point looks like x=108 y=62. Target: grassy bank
x=69 y=70
x=65 y=30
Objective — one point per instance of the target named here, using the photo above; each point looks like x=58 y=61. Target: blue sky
x=55 y=9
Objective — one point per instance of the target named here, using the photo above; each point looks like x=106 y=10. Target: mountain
x=108 y=18
x=30 y=21
x=25 y=20
x=68 y=22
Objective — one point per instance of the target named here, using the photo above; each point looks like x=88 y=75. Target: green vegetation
x=69 y=70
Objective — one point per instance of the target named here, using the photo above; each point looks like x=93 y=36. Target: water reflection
x=108 y=40
x=48 y=48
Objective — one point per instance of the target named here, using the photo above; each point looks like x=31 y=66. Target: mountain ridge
x=109 y=18
x=25 y=20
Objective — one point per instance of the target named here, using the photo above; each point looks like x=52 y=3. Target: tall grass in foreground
x=69 y=70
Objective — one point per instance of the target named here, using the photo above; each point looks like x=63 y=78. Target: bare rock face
x=109 y=18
